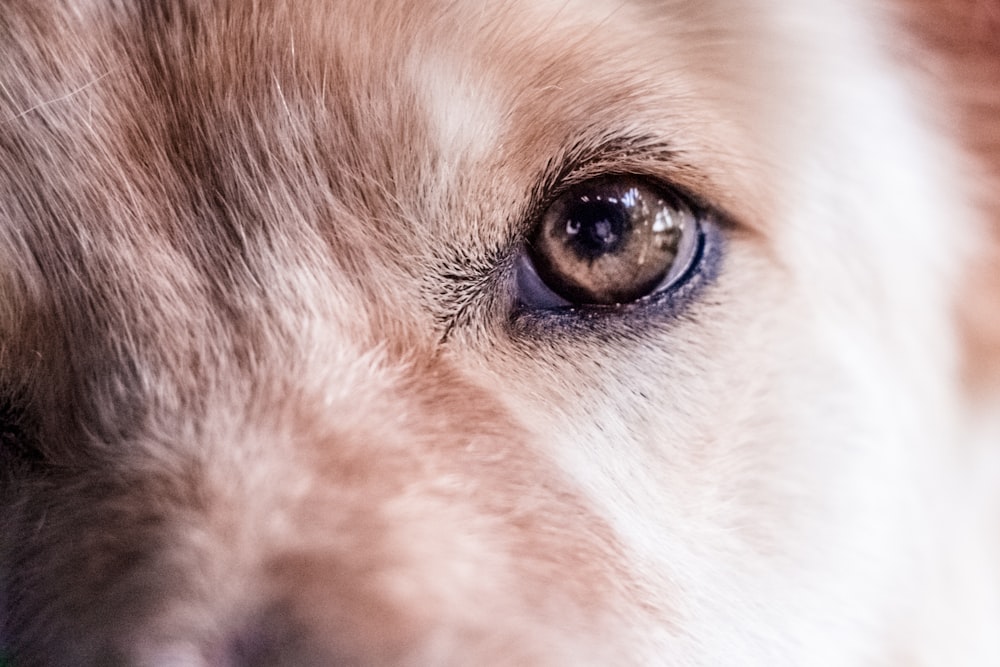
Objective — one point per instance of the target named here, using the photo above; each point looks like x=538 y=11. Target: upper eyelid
x=614 y=155
x=621 y=155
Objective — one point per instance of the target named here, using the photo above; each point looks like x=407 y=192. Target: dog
x=550 y=332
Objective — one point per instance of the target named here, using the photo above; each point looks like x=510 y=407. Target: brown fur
x=958 y=45
x=268 y=396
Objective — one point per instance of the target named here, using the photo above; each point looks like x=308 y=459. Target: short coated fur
x=269 y=394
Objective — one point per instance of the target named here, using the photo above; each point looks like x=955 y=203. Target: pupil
x=596 y=228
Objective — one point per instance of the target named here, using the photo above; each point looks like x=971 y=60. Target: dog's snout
x=179 y=654
x=415 y=522
x=271 y=639
x=268 y=640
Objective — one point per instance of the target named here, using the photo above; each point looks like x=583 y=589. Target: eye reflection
x=613 y=240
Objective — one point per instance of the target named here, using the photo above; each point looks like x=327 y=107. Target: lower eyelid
x=666 y=303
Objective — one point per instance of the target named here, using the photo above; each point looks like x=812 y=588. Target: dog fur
x=267 y=397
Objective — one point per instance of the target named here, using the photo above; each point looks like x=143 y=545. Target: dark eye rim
x=667 y=304
x=707 y=248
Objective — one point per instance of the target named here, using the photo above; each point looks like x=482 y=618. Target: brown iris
x=611 y=240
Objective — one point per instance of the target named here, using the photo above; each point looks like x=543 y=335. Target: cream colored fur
x=267 y=400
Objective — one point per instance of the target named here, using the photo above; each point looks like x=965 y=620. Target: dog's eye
x=610 y=240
